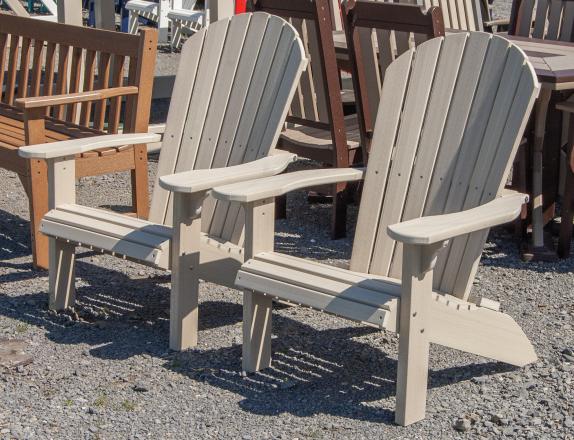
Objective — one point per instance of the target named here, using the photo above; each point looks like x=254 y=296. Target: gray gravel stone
x=462 y=425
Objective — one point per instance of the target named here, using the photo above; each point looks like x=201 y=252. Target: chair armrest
x=74 y=98
x=253 y=190
x=72 y=147
x=438 y=228
x=203 y=180
x=497 y=22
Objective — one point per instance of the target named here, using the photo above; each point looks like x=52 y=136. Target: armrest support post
x=416 y=294
x=259 y=237
x=61 y=181
x=185 y=249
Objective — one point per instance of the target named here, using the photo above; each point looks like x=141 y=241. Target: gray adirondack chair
x=221 y=126
x=450 y=120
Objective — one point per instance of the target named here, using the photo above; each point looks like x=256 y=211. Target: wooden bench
x=61 y=82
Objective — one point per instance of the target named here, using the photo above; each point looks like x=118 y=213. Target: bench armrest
x=72 y=147
x=74 y=98
x=253 y=190
x=202 y=180
x=438 y=228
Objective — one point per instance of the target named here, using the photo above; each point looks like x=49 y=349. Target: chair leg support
x=568 y=198
x=339 y=215
x=185 y=260
x=62 y=274
x=416 y=294
x=256 y=331
x=184 y=315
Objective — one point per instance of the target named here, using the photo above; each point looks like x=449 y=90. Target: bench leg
x=62 y=274
x=38 y=201
x=256 y=331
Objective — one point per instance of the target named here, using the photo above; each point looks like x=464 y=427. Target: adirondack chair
x=187 y=20
x=550 y=20
x=221 y=126
x=450 y=120
x=154 y=11
x=62 y=82
x=377 y=33
x=17 y=8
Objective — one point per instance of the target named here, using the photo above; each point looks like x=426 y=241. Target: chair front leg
x=257 y=307
x=412 y=371
x=185 y=260
x=61 y=190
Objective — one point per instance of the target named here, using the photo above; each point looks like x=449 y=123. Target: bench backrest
x=39 y=58
x=553 y=19
x=377 y=34
x=451 y=117
x=232 y=91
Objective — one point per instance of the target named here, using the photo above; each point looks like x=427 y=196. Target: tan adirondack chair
x=450 y=120
x=221 y=125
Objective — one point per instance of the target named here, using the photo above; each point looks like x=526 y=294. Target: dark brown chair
x=377 y=33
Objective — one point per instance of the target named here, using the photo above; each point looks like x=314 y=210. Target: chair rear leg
x=567 y=216
x=339 y=215
x=281 y=207
x=62 y=274
x=256 y=331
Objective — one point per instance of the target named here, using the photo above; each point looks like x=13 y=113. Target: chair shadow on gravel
x=117 y=315
x=14 y=244
x=316 y=372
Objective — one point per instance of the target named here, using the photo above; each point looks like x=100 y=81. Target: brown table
x=553 y=62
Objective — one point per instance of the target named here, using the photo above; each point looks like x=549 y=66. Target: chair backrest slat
x=233 y=88
x=451 y=152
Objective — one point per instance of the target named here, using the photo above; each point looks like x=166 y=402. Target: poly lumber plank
x=420 y=83
x=392 y=95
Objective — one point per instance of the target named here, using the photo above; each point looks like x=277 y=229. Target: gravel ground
x=106 y=373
